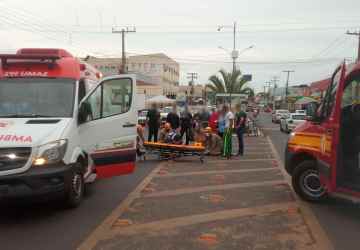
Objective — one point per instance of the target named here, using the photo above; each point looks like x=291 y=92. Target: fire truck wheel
x=306 y=182
x=75 y=192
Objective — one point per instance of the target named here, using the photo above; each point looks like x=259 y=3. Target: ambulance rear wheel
x=306 y=182
x=74 y=193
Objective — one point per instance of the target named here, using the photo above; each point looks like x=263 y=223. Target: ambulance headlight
x=49 y=153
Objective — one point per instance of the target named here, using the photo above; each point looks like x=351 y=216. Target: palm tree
x=231 y=83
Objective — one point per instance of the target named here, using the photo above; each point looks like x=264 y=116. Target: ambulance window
x=117 y=97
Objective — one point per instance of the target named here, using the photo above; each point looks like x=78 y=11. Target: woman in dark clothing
x=153 y=122
x=186 y=124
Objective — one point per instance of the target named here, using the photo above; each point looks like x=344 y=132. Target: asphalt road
x=44 y=226
x=340 y=220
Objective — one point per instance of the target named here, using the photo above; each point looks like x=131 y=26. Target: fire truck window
x=117 y=96
x=93 y=104
x=351 y=94
x=330 y=97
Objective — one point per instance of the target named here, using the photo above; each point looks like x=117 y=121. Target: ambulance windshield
x=36 y=97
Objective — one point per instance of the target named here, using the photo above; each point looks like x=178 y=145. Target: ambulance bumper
x=37 y=181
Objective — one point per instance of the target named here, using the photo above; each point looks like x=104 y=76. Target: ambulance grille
x=13 y=158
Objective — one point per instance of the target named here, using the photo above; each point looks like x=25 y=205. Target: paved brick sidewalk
x=242 y=203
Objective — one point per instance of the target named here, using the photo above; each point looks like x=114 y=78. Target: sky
x=305 y=36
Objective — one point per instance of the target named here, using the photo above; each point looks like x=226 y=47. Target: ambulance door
x=329 y=131
x=107 y=124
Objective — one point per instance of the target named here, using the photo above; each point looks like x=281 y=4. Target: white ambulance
x=61 y=126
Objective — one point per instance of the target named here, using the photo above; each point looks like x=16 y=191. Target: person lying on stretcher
x=169 y=135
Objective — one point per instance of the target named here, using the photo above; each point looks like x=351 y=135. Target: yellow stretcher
x=171 y=151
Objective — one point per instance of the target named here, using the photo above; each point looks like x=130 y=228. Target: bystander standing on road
x=221 y=123
x=186 y=124
x=213 y=120
x=229 y=123
x=204 y=117
x=153 y=122
x=240 y=126
x=213 y=143
x=173 y=118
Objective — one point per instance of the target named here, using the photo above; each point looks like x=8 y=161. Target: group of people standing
x=214 y=130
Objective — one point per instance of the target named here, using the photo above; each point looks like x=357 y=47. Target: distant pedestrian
x=173 y=118
x=153 y=122
x=186 y=122
x=229 y=123
x=240 y=126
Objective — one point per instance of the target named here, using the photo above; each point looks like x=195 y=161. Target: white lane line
x=322 y=240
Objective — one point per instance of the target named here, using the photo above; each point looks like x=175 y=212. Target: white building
x=161 y=68
x=157 y=74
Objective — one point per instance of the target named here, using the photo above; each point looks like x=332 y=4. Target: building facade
x=160 y=68
x=156 y=74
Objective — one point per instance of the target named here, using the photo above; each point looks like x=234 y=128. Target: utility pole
x=287 y=85
x=192 y=76
x=123 y=31
x=358 y=35
x=267 y=95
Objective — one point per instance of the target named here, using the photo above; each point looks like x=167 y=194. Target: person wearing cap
x=213 y=143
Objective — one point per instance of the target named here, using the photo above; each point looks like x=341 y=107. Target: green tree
x=225 y=82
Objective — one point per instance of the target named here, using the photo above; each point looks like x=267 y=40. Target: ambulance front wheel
x=306 y=182
x=74 y=193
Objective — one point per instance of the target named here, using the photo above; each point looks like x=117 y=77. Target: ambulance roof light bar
x=41 y=58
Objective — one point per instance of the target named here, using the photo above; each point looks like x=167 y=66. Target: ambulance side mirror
x=84 y=112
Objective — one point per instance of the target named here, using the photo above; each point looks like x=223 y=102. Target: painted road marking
x=212 y=188
x=239 y=160
x=200 y=218
x=216 y=172
x=322 y=240
x=99 y=233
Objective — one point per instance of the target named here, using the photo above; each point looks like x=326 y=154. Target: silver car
x=290 y=123
x=278 y=114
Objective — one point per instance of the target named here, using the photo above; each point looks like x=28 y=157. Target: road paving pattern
x=242 y=203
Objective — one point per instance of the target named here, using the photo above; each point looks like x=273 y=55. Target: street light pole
x=235 y=53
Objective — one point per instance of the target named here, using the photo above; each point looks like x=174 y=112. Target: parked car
x=164 y=112
x=300 y=111
x=142 y=117
x=277 y=114
x=290 y=123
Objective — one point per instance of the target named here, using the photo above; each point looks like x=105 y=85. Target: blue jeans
x=240 y=134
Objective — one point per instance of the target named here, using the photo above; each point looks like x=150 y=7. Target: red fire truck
x=322 y=155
